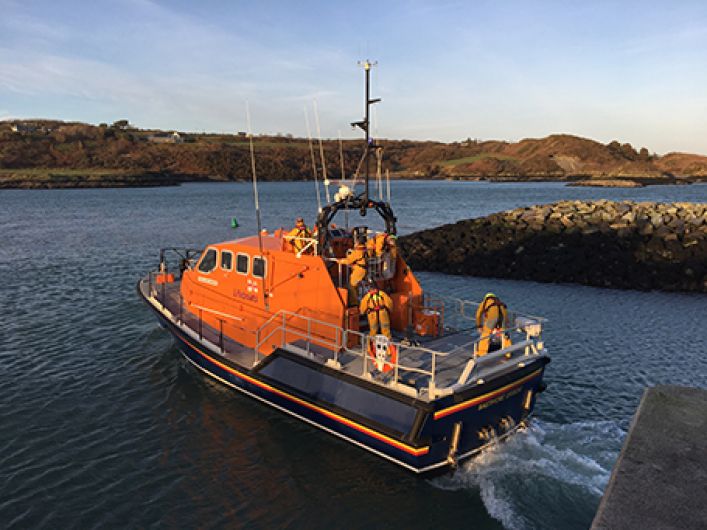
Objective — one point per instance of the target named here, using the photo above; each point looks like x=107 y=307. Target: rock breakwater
x=625 y=245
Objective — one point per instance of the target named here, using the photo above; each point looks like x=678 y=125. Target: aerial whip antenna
x=321 y=153
x=379 y=172
x=255 y=197
x=341 y=157
x=314 y=160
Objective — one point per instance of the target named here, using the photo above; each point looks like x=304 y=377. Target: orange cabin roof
x=270 y=241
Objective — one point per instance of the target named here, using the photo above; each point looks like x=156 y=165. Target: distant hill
x=121 y=149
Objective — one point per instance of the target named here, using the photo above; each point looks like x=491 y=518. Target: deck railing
x=342 y=343
x=348 y=350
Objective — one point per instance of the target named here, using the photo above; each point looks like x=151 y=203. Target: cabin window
x=227 y=260
x=259 y=267
x=242 y=263
x=208 y=262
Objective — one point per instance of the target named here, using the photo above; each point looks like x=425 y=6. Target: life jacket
x=376 y=303
x=303 y=232
x=495 y=302
x=297 y=236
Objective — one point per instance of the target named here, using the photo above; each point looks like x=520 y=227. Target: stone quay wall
x=625 y=245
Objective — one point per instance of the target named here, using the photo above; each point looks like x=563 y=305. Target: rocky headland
x=62 y=147
x=624 y=245
x=87 y=178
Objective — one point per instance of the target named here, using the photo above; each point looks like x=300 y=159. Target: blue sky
x=632 y=71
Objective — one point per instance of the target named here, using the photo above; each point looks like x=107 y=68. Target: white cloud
x=160 y=67
x=173 y=70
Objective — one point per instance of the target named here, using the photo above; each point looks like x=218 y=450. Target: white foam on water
x=515 y=478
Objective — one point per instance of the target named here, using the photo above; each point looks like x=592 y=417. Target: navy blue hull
x=412 y=433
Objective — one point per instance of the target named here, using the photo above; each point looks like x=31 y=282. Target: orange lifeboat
x=274 y=316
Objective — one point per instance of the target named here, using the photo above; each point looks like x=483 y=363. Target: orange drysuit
x=357 y=261
x=491 y=320
x=377 y=305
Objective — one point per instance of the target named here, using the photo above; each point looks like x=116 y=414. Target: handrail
x=187 y=256
x=464 y=303
x=341 y=344
x=311 y=242
x=342 y=271
x=412 y=358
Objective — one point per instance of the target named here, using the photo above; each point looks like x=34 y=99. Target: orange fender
x=164 y=277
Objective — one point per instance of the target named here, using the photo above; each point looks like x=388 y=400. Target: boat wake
x=534 y=478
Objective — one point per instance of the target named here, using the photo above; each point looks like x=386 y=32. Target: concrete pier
x=660 y=478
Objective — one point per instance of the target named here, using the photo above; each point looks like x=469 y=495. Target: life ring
x=383 y=353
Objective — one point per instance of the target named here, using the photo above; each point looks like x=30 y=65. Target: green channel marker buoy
x=234 y=222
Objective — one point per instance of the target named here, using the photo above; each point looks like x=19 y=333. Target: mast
x=364 y=125
x=362 y=201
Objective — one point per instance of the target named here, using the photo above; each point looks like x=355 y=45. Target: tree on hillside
x=622 y=150
x=121 y=124
x=614 y=146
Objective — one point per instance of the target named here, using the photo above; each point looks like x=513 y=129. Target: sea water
x=104 y=426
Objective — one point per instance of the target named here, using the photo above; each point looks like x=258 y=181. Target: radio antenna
x=341 y=158
x=321 y=153
x=379 y=172
x=314 y=160
x=256 y=198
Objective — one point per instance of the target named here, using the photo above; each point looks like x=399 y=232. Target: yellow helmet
x=490 y=295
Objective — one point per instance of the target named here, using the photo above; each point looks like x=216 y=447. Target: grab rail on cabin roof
x=309 y=243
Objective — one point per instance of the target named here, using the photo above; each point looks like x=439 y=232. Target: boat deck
x=454 y=352
x=230 y=349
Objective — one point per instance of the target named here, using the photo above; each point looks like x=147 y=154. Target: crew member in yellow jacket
x=298 y=236
x=377 y=305
x=376 y=243
x=357 y=261
x=382 y=243
x=491 y=321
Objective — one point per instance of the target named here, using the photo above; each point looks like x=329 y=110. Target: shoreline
x=59 y=178
x=56 y=178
